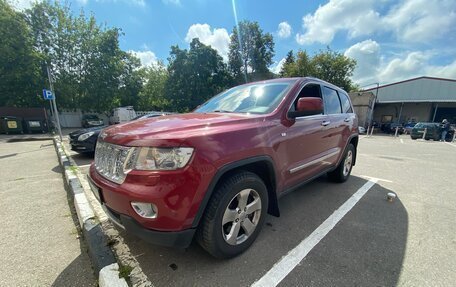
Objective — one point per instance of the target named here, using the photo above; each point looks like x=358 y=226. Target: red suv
x=217 y=171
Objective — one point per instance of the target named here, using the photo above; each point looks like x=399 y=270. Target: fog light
x=146 y=210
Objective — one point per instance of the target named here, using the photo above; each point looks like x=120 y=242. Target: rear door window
x=346 y=107
x=331 y=101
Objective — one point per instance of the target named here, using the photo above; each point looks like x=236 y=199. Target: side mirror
x=307 y=106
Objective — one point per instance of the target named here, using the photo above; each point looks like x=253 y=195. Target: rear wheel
x=343 y=170
x=234 y=216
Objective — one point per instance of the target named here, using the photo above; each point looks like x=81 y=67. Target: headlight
x=146 y=158
x=85 y=136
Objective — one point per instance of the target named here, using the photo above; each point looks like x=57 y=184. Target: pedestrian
x=444 y=127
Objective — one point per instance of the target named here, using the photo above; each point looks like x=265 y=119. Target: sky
x=390 y=40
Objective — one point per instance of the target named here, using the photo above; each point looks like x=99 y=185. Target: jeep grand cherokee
x=216 y=172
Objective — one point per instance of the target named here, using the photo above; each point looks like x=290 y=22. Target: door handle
x=325 y=123
x=346 y=120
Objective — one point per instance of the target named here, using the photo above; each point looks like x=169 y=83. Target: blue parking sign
x=48 y=95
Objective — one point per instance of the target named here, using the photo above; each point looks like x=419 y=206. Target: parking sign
x=48 y=95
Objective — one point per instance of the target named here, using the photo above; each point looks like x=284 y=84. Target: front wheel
x=234 y=216
x=343 y=170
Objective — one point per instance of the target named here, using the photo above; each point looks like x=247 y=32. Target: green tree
x=89 y=69
x=152 y=95
x=288 y=66
x=327 y=65
x=21 y=78
x=194 y=76
x=250 y=53
x=334 y=67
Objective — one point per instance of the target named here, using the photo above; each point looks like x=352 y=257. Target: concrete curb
x=103 y=259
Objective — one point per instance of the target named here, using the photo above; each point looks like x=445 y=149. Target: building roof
x=422 y=89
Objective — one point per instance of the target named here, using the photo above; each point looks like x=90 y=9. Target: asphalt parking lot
x=408 y=242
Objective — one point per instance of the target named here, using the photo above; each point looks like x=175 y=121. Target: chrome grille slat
x=110 y=160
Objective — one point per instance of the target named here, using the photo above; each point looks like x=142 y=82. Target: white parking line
x=282 y=268
x=450 y=144
x=402 y=141
x=375 y=178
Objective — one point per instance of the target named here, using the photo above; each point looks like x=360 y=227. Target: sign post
x=50 y=95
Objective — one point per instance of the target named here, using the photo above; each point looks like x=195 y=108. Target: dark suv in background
x=216 y=172
x=432 y=131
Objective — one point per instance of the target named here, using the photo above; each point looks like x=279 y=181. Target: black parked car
x=390 y=128
x=85 y=140
x=91 y=121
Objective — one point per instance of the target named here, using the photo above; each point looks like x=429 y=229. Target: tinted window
x=346 y=107
x=331 y=100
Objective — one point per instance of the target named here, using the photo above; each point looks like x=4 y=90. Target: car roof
x=297 y=79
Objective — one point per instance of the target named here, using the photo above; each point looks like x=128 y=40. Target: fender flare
x=272 y=191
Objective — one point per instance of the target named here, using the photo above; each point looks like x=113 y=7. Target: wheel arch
x=262 y=166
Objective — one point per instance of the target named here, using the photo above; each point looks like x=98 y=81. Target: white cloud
x=412 y=64
x=218 y=39
x=447 y=71
x=373 y=67
x=422 y=20
x=276 y=68
x=367 y=56
x=148 y=58
x=284 y=30
x=410 y=21
x=355 y=16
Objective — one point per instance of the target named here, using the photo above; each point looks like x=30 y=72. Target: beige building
x=423 y=99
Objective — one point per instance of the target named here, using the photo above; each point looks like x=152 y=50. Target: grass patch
x=124 y=271
x=74 y=169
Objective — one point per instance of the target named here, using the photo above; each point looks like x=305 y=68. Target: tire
x=343 y=170
x=213 y=234
x=413 y=138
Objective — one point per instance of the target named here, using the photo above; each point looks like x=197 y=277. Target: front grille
x=112 y=161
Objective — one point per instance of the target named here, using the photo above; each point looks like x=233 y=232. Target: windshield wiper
x=221 y=111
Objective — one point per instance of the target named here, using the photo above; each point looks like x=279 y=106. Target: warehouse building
x=423 y=99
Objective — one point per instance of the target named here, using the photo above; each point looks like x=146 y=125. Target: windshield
x=257 y=98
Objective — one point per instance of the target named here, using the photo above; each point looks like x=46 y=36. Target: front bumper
x=179 y=239
x=83 y=146
x=177 y=196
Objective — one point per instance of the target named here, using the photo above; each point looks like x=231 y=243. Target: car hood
x=96 y=130
x=174 y=128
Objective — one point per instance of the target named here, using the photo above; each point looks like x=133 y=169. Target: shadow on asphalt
x=57 y=169
x=365 y=248
x=25 y=139
x=8 y=155
x=72 y=276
